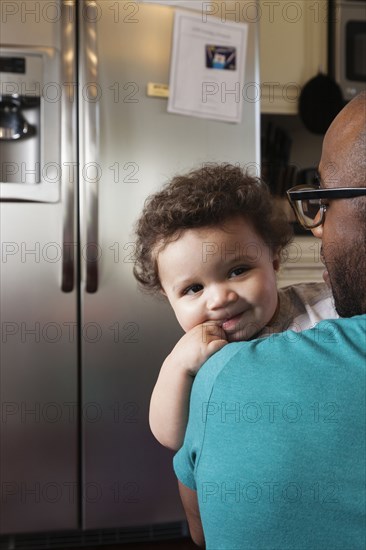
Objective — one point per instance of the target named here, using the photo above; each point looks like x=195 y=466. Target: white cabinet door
x=293 y=48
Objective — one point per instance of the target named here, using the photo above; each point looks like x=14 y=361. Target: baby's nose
x=220 y=297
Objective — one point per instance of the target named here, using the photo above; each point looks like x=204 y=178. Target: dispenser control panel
x=12 y=65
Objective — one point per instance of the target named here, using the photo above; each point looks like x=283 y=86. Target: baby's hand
x=196 y=346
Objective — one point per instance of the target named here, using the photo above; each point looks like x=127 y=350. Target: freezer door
x=39 y=423
x=38 y=373
x=128 y=478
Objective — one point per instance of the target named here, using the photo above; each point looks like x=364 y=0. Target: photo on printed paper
x=221 y=57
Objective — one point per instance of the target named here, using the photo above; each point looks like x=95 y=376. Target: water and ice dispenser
x=30 y=105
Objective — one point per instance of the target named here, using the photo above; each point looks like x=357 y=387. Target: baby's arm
x=170 y=399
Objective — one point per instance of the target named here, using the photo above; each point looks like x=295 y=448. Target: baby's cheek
x=268 y=296
x=187 y=319
x=272 y=311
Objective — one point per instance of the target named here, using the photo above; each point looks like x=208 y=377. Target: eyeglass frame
x=300 y=192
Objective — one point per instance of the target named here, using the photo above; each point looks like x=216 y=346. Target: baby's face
x=225 y=275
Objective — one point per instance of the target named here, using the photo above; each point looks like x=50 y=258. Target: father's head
x=343 y=229
x=338 y=211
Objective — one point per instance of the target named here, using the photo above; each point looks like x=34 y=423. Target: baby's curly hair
x=208 y=196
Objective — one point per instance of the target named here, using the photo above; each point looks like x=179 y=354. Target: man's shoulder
x=213 y=367
x=341 y=328
x=324 y=363
x=329 y=342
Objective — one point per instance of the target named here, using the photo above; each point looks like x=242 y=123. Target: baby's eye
x=193 y=289
x=238 y=271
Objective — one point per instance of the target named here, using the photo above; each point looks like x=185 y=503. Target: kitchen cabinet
x=293 y=48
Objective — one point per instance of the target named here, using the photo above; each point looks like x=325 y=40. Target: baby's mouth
x=230 y=323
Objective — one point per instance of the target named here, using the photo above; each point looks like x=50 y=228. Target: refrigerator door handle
x=90 y=170
x=68 y=142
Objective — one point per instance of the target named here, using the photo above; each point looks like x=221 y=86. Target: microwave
x=349 y=36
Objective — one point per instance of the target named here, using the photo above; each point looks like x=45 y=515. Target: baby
x=211 y=242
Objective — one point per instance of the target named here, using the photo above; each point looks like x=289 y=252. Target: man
x=274 y=453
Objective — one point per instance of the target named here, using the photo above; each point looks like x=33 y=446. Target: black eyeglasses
x=308 y=205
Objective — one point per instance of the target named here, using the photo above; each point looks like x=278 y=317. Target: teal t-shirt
x=276 y=438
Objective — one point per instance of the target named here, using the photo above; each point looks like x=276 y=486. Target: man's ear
x=276 y=261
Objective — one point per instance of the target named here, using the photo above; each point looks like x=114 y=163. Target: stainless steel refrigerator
x=82 y=145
